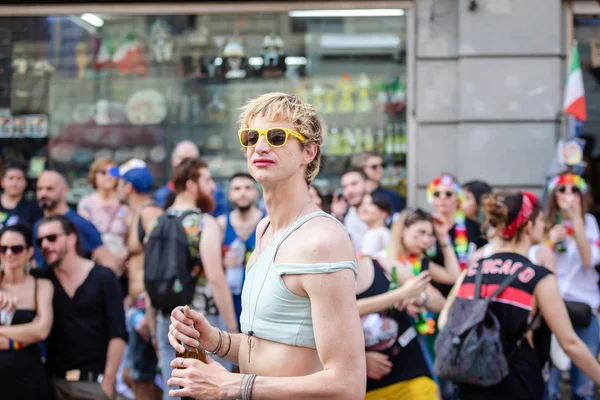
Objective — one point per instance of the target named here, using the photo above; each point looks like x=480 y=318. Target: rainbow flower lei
x=568 y=178
x=425 y=322
x=461 y=242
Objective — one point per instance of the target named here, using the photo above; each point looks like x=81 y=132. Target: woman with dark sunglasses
x=573 y=235
x=447 y=196
x=27 y=319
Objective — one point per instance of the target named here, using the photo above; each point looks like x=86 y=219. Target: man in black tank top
x=134 y=188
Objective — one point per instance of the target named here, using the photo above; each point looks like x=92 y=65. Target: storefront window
x=133 y=86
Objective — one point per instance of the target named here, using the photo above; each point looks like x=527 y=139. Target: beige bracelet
x=248 y=386
x=228 y=347
x=219 y=345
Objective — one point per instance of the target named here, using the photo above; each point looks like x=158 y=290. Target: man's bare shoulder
x=322 y=240
x=222 y=221
x=150 y=213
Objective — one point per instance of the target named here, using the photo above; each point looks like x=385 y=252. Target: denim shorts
x=141 y=358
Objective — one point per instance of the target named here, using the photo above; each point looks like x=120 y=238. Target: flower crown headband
x=446 y=180
x=564 y=179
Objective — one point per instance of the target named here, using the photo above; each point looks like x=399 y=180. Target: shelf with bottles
x=361 y=96
x=336 y=98
x=387 y=140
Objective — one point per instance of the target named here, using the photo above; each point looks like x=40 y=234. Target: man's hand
x=339 y=207
x=378 y=365
x=181 y=331
x=198 y=380
x=229 y=260
x=441 y=228
x=108 y=387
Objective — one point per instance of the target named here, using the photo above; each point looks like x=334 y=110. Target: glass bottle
x=197 y=353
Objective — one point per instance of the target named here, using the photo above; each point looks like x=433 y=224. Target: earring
x=28 y=267
x=1 y=267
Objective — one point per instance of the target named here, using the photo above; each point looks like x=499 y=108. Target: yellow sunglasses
x=276 y=137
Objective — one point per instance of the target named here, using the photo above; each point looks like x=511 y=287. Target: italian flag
x=105 y=53
x=574 y=104
x=130 y=56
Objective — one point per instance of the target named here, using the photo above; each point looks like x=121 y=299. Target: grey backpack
x=469 y=349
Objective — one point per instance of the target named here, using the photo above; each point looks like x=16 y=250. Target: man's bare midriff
x=136 y=260
x=277 y=359
x=136 y=275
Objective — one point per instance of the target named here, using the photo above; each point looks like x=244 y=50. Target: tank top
x=393 y=334
x=513 y=308
x=22 y=374
x=231 y=236
x=275 y=313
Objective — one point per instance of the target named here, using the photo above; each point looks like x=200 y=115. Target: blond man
x=301 y=334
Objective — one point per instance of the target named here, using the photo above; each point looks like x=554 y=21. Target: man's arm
x=210 y=252
x=114 y=354
x=114 y=315
x=222 y=222
x=333 y=304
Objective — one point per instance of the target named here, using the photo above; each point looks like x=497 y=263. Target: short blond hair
x=289 y=107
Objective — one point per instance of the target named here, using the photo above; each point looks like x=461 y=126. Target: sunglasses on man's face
x=375 y=166
x=51 y=238
x=13 y=249
x=563 y=190
x=438 y=194
x=276 y=137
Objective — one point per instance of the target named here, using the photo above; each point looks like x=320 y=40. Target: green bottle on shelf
x=369 y=140
x=334 y=142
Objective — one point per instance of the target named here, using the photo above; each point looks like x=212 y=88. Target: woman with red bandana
x=574 y=234
x=520 y=223
x=540 y=254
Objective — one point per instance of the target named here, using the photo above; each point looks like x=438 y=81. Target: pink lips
x=262 y=162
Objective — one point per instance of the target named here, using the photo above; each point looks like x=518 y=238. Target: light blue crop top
x=282 y=316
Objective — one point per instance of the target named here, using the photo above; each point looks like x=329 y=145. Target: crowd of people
x=491 y=295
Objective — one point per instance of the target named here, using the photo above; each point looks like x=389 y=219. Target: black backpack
x=170 y=270
x=469 y=348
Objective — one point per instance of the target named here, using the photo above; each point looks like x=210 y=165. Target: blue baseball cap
x=134 y=171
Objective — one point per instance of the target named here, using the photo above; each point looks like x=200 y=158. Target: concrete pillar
x=489 y=86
